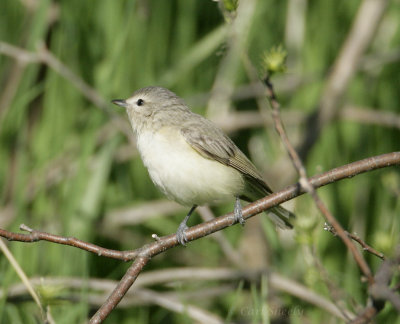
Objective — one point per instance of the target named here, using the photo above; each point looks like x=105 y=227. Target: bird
x=190 y=159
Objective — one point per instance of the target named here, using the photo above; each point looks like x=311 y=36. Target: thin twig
x=35 y=236
x=307 y=186
x=356 y=238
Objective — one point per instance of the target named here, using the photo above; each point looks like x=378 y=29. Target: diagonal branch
x=307 y=186
x=162 y=244
x=356 y=238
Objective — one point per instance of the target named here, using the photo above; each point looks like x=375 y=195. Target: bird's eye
x=140 y=102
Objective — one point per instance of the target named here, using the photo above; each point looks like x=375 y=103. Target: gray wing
x=210 y=142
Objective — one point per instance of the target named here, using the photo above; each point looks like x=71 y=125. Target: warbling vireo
x=190 y=159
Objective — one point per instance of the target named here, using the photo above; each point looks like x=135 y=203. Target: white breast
x=183 y=174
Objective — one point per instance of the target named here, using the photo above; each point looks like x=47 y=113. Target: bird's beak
x=120 y=102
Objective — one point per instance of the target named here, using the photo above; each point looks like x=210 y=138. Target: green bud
x=230 y=5
x=273 y=61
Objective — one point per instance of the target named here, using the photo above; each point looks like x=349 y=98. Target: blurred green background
x=69 y=166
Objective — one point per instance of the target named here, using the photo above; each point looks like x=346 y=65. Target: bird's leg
x=237 y=212
x=180 y=233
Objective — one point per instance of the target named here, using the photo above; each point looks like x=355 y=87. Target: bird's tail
x=281 y=217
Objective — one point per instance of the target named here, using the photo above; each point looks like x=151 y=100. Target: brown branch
x=307 y=186
x=36 y=236
x=356 y=238
x=365 y=246
x=148 y=251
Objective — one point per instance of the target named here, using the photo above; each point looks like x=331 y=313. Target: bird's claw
x=180 y=234
x=238 y=214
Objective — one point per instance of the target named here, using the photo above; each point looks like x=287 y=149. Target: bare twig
x=36 y=236
x=307 y=186
x=356 y=238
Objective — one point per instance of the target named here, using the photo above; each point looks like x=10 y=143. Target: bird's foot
x=180 y=233
x=237 y=212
